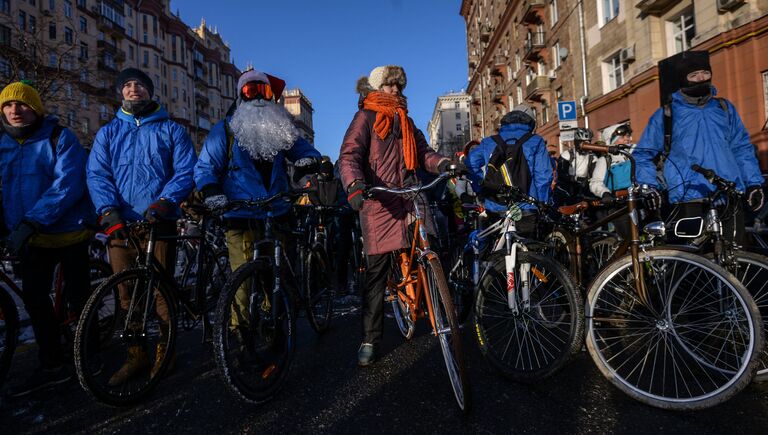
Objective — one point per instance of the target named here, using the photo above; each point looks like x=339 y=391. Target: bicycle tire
x=561 y=320
x=318 y=290
x=238 y=359
x=98 y=271
x=445 y=316
x=601 y=249
x=752 y=271
x=460 y=282
x=95 y=364
x=618 y=321
x=400 y=309
x=9 y=332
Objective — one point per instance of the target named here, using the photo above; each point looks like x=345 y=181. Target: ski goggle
x=254 y=90
x=622 y=130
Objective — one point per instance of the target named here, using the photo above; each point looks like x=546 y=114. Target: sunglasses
x=257 y=90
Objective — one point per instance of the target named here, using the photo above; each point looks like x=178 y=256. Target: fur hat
x=129 y=74
x=380 y=76
x=24 y=93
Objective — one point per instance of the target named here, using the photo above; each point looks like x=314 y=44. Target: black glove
x=355 y=195
x=457 y=167
x=607 y=198
x=755 y=198
x=305 y=166
x=113 y=225
x=19 y=237
x=160 y=210
x=652 y=199
x=213 y=197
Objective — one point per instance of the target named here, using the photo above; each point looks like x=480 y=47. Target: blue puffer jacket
x=239 y=178
x=136 y=161
x=42 y=187
x=535 y=151
x=708 y=136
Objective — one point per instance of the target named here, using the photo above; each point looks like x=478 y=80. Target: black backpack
x=507 y=167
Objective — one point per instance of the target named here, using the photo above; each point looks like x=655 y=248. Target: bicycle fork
x=510 y=263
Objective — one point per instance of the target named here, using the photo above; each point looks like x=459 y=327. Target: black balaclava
x=139 y=108
x=24 y=131
x=694 y=61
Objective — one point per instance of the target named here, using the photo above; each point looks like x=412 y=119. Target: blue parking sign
x=566 y=110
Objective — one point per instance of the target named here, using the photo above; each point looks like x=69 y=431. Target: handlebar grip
x=707 y=173
x=595 y=148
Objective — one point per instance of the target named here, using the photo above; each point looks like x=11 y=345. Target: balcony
x=536 y=88
x=107 y=67
x=531 y=10
x=533 y=46
x=201 y=98
x=485 y=33
x=474 y=60
x=108 y=47
x=108 y=26
x=655 y=7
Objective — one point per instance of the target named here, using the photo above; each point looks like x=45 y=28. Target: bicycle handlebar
x=407 y=190
x=714 y=179
x=605 y=149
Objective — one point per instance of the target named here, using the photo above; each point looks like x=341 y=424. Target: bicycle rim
x=538 y=341
x=319 y=291
x=253 y=344
x=752 y=271
x=448 y=332
x=136 y=334
x=692 y=345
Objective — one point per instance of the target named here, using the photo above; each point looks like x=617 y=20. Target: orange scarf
x=385 y=106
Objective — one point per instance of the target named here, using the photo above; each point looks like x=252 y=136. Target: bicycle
x=417 y=288
x=668 y=327
x=138 y=326
x=528 y=311
x=255 y=332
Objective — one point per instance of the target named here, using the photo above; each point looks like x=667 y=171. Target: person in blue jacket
x=140 y=167
x=44 y=203
x=243 y=158
x=514 y=125
x=706 y=131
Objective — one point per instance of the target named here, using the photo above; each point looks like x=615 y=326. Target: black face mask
x=24 y=131
x=697 y=90
x=140 y=107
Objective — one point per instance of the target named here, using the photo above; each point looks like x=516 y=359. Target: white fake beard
x=263 y=129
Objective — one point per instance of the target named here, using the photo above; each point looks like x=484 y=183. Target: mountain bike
x=255 y=332
x=417 y=288
x=668 y=327
x=139 y=328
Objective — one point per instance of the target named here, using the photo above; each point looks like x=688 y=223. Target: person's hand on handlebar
x=755 y=198
x=652 y=198
x=456 y=167
x=607 y=198
x=355 y=194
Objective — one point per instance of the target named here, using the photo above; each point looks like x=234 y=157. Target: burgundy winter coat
x=363 y=156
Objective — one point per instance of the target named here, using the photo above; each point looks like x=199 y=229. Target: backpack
x=55 y=134
x=507 y=167
x=618 y=176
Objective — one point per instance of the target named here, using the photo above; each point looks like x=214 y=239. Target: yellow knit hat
x=23 y=93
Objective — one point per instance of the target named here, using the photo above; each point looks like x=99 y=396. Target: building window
x=5 y=67
x=84 y=75
x=52 y=5
x=553 y=16
x=519 y=94
x=458 y=127
x=69 y=37
x=174 y=74
x=71 y=118
x=129 y=30
x=68 y=8
x=130 y=52
x=157 y=61
x=456 y=105
x=83 y=25
x=84 y=101
x=52 y=60
x=85 y=125
x=82 y=3
x=556 y=55
x=83 y=51
x=32 y=24
x=52 y=30
x=146 y=59
x=609 y=9
x=765 y=96
x=615 y=71
x=683 y=30
x=22 y=20
x=5 y=7
x=5 y=35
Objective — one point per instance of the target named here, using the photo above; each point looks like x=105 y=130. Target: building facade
x=300 y=107
x=603 y=54
x=74 y=49
x=448 y=129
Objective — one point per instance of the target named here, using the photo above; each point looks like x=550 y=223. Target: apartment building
x=74 y=49
x=448 y=129
x=603 y=54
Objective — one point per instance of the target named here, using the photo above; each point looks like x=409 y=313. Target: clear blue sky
x=323 y=47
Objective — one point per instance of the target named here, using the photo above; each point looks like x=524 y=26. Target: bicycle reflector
x=254 y=90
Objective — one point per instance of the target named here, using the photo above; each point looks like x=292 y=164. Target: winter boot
x=137 y=361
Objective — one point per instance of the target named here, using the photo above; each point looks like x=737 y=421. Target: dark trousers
x=342 y=248
x=38 y=265
x=733 y=226
x=376 y=275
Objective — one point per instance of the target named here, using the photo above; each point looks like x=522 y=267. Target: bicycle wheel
x=98 y=271
x=447 y=328
x=752 y=270
x=318 y=290
x=601 y=248
x=538 y=341
x=400 y=308
x=692 y=344
x=9 y=332
x=460 y=282
x=125 y=366
x=254 y=341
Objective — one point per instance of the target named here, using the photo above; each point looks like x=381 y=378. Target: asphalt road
x=406 y=391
